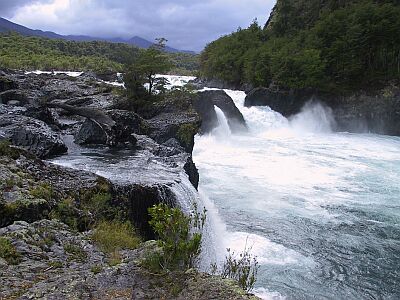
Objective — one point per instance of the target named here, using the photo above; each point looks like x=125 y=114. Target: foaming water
x=320 y=209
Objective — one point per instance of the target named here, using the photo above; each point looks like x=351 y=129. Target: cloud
x=186 y=24
x=8 y=8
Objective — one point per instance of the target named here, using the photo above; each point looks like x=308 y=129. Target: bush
x=75 y=252
x=111 y=236
x=42 y=191
x=7 y=150
x=242 y=268
x=8 y=252
x=178 y=235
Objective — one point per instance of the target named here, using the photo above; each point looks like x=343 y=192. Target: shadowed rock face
x=204 y=105
x=359 y=112
x=285 y=102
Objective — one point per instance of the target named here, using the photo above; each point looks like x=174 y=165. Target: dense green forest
x=330 y=45
x=28 y=53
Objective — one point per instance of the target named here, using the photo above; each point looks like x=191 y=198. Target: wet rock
x=32 y=135
x=376 y=111
x=14 y=96
x=6 y=83
x=181 y=126
x=91 y=133
x=205 y=108
x=220 y=99
x=285 y=102
x=192 y=172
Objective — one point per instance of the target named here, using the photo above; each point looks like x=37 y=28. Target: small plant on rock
x=8 y=252
x=179 y=236
x=7 y=150
x=242 y=268
x=113 y=236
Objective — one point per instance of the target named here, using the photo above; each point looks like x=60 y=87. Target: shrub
x=185 y=134
x=242 y=268
x=8 y=252
x=66 y=212
x=96 y=269
x=42 y=191
x=178 y=235
x=111 y=236
x=75 y=252
x=7 y=150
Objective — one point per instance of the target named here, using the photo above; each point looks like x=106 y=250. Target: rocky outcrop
x=220 y=99
x=48 y=260
x=285 y=102
x=29 y=133
x=180 y=126
x=377 y=112
x=204 y=104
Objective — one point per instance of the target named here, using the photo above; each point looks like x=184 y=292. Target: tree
x=151 y=62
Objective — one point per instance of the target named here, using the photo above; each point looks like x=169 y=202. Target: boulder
x=205 y=108
x=31 y=134
x=7 y=83
x=180 y=126
x=91 y=132
x=204 y=105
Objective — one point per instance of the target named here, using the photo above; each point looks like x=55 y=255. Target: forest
x=31 y=53
x=331 y=45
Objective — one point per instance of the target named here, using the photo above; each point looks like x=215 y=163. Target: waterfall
x=223 y=130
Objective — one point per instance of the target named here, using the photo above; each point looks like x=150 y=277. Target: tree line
x=29 y=53
x=329 y=45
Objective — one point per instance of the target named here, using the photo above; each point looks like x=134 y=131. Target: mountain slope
x=6 y=25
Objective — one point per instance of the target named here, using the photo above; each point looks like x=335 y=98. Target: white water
x=321 y=210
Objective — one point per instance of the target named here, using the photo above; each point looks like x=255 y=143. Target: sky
x=187 y=24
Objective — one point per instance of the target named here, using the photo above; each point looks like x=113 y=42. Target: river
x=319 y=209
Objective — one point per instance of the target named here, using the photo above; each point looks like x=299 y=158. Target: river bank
x=122 y=163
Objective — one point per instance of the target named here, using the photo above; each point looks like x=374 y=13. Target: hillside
x=7 y=26
x=326 y=45
x=32 y=52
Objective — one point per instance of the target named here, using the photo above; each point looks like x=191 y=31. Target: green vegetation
x=111 y=236
x=31 y=53
x=75 y=252
x=179 y=236
x=96 y=269
x=7 y=150
x=242 y=268
x=143 y=71
x=186 y=133
x=67 y=212
x=334 y=46
x=8 y=252
x=42 y=191
x=56 y=264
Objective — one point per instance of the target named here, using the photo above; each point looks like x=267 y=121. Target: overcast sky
x=187 y=24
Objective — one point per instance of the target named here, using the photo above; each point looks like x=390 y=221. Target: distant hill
x=6 y=25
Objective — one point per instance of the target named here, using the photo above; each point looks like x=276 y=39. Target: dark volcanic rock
x=225 y=103
x=6 y=83
x=205 y=108
x=31 y=134
x=91 y=133
x=192 y=172
x=377 y=112
x=15 y=96
x=285 y=102
x=181 y=126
